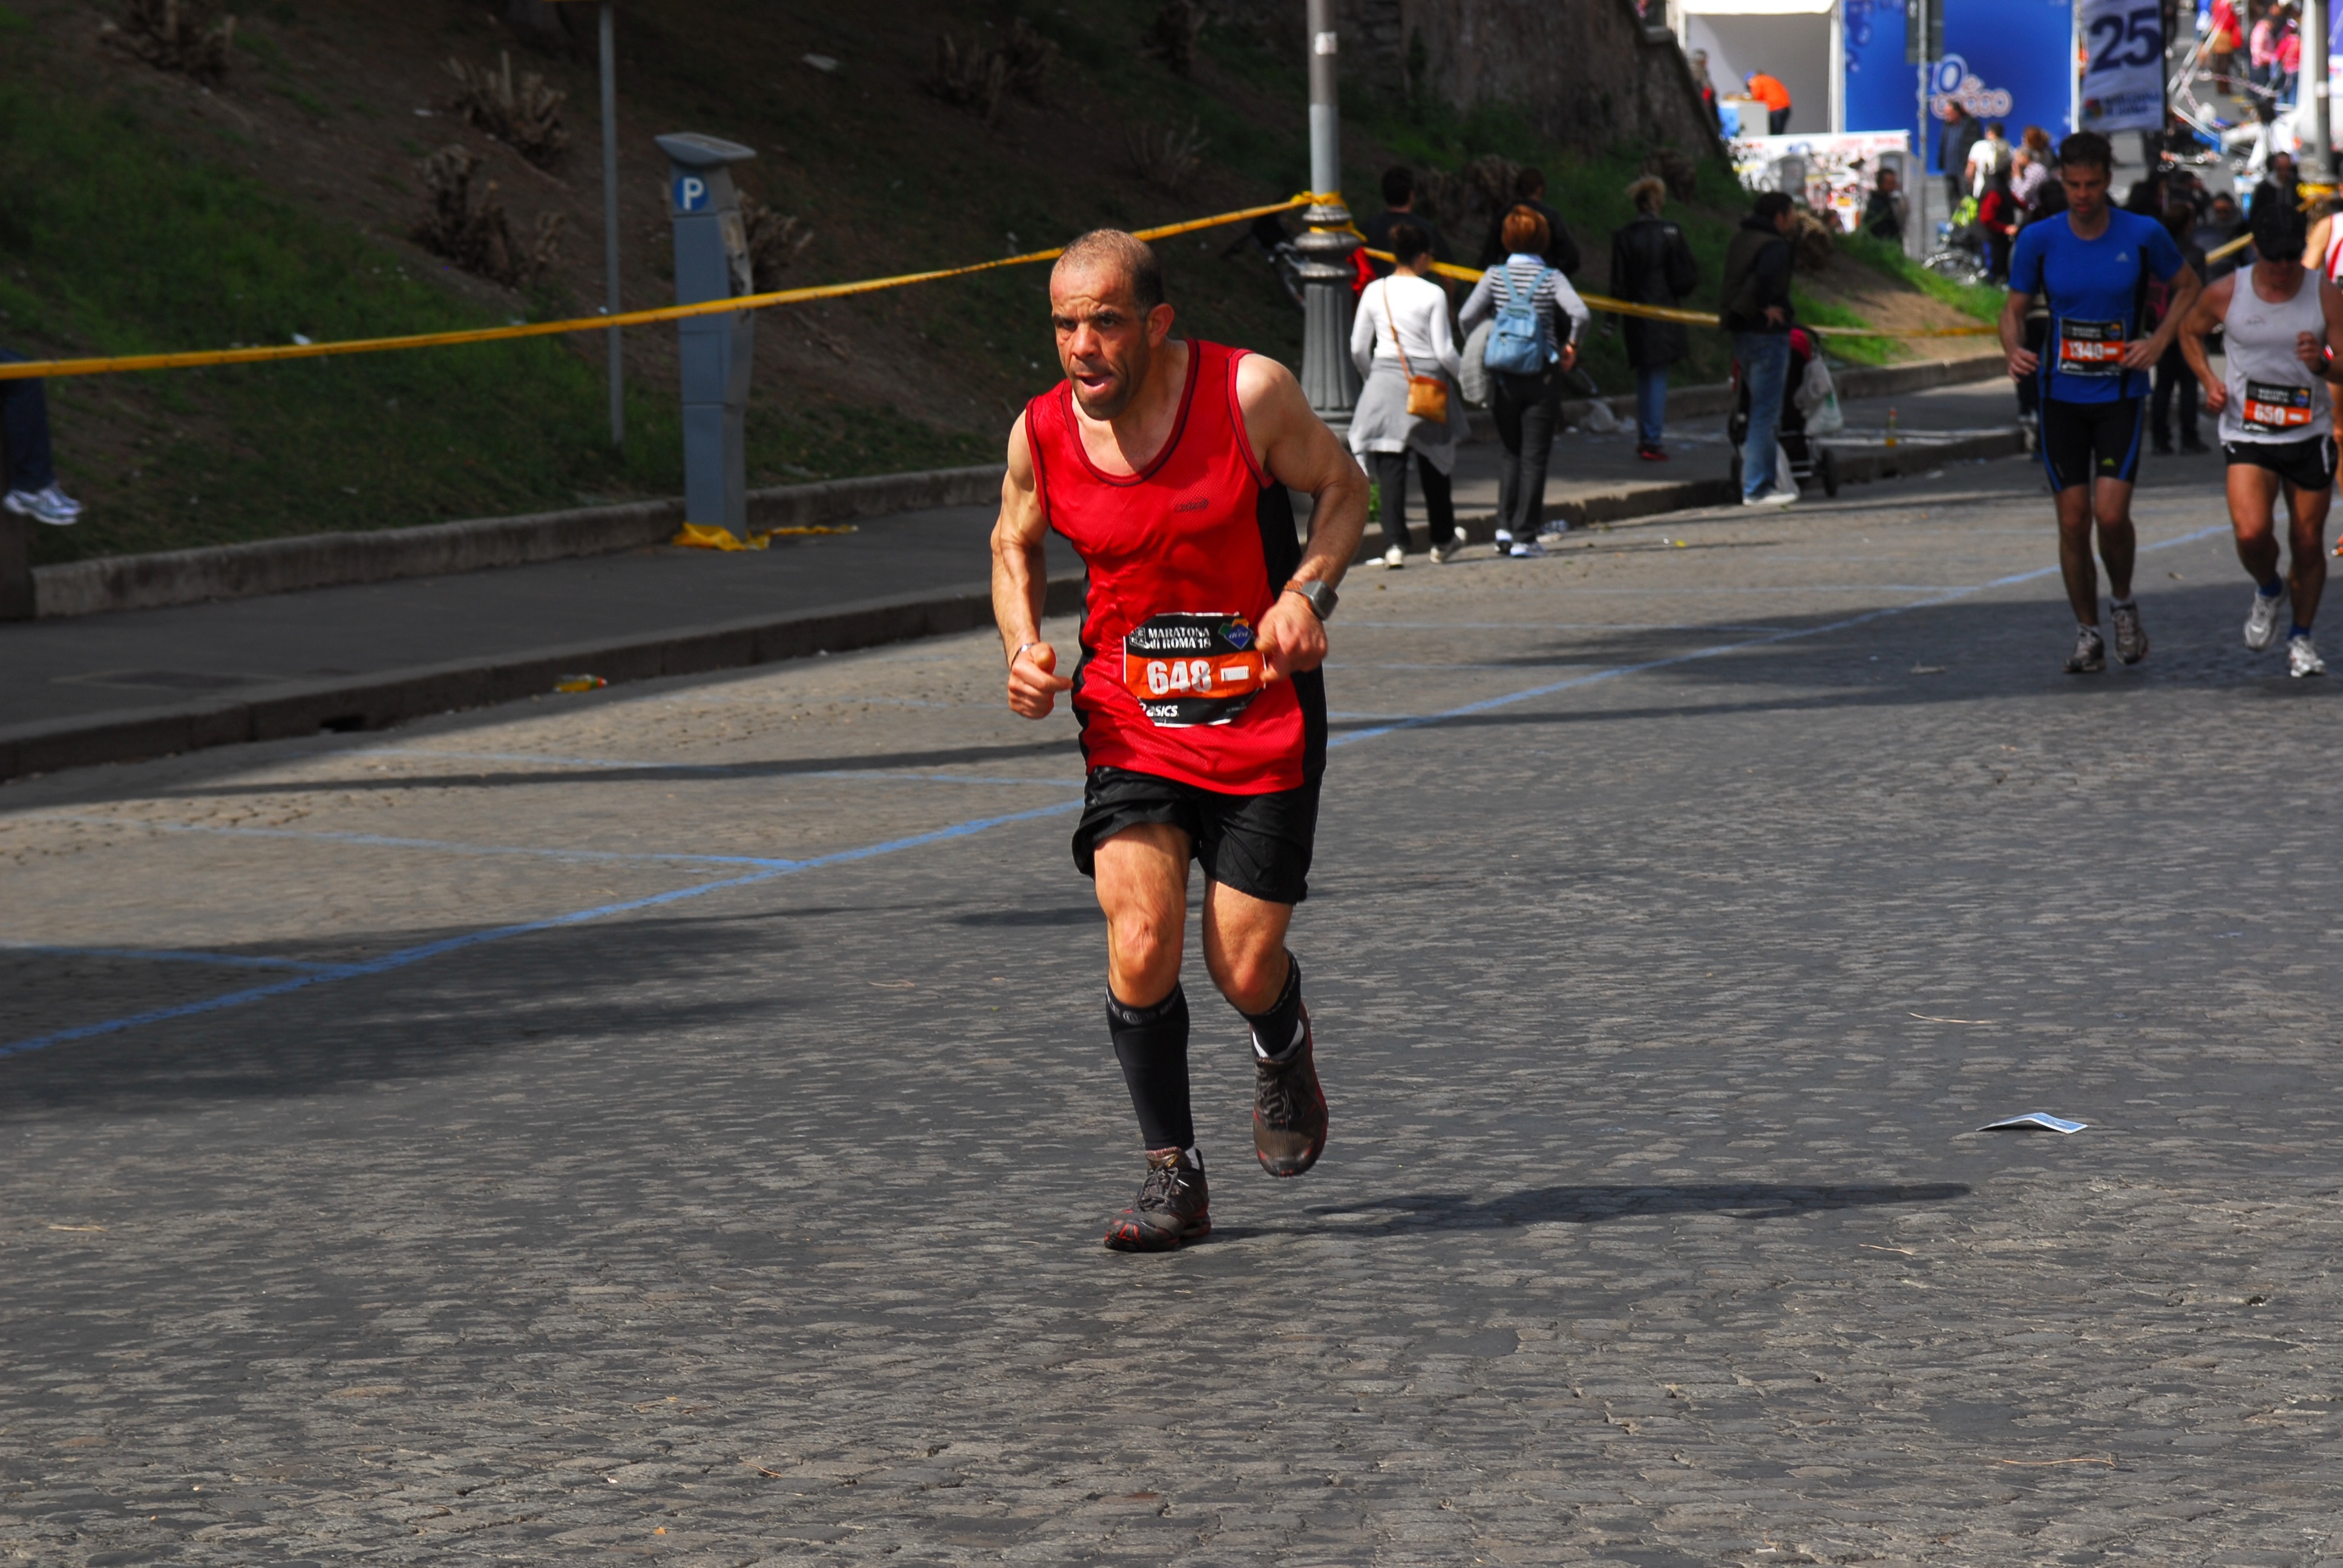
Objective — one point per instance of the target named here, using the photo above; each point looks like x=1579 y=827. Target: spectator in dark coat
x=2172 y=370
x=1529 y=191
x=1399 y=207
x=1960 y=134
x=1882 y=215
x=1652 y=264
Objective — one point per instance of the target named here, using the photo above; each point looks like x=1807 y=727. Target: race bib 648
x=1189 y=669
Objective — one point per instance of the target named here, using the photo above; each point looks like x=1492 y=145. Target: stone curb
x=382 y=555
x=373 y=702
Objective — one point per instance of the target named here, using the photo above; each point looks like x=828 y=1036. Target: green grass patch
x=1976 y=299
x=1814 y=312
x=114 y=239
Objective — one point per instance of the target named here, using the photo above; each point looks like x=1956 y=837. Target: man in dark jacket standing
x=1651 y=264
x=1756 y=295
x=1529 y=191
x=1399 y=208
x=1960 y=137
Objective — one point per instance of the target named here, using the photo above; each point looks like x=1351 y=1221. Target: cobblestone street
x=677 y=1121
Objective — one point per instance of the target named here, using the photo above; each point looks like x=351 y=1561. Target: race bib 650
x=1188 y=670
x=2273 y=405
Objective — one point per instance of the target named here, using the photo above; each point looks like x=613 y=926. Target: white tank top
x=2273 y=395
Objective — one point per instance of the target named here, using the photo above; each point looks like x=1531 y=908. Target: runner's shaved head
x=1128 y=256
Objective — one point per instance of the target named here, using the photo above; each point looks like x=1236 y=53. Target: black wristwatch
x=1321 y=598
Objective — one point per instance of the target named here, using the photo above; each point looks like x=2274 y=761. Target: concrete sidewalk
x=118 y=687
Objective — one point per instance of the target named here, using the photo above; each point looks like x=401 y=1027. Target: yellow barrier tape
x=1706 y=319
x=22 y=370
x=710 y=537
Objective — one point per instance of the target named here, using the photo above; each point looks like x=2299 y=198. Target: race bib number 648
x=1190 y=669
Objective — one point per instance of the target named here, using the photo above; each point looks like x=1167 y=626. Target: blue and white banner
x=2122 y=64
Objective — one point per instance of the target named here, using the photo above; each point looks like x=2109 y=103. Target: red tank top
x=1184 y=557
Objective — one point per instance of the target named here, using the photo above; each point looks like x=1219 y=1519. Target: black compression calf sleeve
x=1279 y=1030
x=1152 y=1043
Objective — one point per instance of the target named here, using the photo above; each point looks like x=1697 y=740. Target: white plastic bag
x=1601 y=420
x=1817 y=399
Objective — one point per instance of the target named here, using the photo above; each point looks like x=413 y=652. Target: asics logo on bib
x=1191 y=669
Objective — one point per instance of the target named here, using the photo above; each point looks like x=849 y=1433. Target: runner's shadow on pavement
x=1752 y=1201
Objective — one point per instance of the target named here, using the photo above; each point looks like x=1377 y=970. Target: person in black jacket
x=1961 y=132
x=1651 y=264
x=1759 y=313
x=1529 y=191
x=1399 y=202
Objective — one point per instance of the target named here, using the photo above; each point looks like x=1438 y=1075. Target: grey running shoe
x=1174 y=1208
x=1526 y=550
x=50 y=506
x=2090 y=655
x=1445 y=551
x=1288 y=1108
x=2131 y=642
x=2302 y=658
x=2262 y=621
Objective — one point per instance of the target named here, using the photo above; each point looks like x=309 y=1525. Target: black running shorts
x=2087 y=441
x=2307 y=465
x=1257 y=844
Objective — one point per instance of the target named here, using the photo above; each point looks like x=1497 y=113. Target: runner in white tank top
x=2282 y=329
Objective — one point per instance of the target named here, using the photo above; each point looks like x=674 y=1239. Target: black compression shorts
x=1257 y=844
x=2087 y=441
x=2307 y=465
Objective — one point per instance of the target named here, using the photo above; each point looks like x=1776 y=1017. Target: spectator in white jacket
x=1402 y=330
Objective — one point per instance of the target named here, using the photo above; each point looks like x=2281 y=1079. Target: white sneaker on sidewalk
x=1445 y=551
x=51 y=506
x=1395 y=557
x=1776 y=497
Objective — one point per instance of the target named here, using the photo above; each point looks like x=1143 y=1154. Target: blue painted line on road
x=440 y=846
x=408 y=956
x=162 y=956
x=622 y=765
x=415 y=955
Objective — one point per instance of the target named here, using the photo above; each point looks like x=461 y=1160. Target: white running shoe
x=2302 y=658
x=51 y=506
x=1526 y=550
x=1505 y=540
x=1776 y=497
x=1445 y=551
x=1395 y=557
x=2263 y=620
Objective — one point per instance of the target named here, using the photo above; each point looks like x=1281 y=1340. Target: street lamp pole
x=2314 y=71
x=1328 y=378
x=610 y=221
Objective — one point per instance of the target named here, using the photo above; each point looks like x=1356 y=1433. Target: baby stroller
x=1811 y=463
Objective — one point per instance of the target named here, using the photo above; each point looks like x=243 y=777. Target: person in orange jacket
x=1769 y=91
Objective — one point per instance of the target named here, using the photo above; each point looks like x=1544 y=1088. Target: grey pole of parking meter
x=711 y=262
x=1328 y=378
x=2322 y=110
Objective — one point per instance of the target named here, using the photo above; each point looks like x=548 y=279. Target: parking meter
x=711 y=262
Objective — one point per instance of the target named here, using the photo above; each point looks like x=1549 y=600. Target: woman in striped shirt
x=1527 y=407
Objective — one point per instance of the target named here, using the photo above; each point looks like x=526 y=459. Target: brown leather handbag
x=1427 y=396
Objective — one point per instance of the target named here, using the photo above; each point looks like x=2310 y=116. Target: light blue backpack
x=1516 y=347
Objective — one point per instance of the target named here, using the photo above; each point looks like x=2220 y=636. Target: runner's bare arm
x=2211 y=306
x=2330 y=305
x=2314 y=244
x=2023 y=361
x=1295 y=449
x=1020 y=580
x=2185 y=286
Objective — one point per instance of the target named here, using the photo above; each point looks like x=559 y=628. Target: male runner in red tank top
x=1166 y=464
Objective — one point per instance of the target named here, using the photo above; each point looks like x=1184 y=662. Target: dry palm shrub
x=1170 y=37
x=774 y=241
x=470 y=227
x=1165 y=156
x=978 y=76
x=526 y=115
x=185 y=38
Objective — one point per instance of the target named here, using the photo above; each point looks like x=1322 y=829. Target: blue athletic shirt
x=2096 y=289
